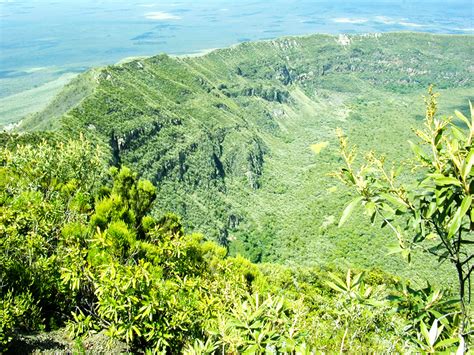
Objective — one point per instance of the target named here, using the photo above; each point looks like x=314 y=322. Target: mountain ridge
x=226 y=136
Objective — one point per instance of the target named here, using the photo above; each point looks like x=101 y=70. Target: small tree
x=436 y=214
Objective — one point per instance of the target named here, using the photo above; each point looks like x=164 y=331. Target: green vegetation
x=223 y=134
x=240 y=143
x=437 y=213
x=79 y=248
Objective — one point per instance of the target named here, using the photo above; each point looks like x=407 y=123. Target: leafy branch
x=435 y=214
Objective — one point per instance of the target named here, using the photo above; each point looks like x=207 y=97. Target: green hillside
x=227 y=136
x=193 y=204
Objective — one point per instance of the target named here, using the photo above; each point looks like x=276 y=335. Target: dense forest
x=211 y=204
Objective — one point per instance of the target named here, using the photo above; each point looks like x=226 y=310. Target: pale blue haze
x=64 y=36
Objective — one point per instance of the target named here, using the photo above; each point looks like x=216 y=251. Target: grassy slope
x=227 y=136
x=13 y=108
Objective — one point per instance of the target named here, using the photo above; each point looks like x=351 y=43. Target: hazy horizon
x=42 y=40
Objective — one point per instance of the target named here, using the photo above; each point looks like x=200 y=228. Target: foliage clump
x=43 y=187
x=82 y=249
x=434 y=215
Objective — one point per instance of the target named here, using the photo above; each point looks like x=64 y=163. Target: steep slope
x=227 y=137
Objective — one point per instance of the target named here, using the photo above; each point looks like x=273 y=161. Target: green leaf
x=348 y=279
x=252 y=349
x=348 y=175
x=442 y=180
x=370 y=210
x=357 y=279
x=469 y=164
x=395 y=200
x=348 y=210
x=465 y=205
x=340 y=283
x=136 y=330
x=418 y=151
x=457 y=218
x=446 y=343
x=431 y=209
x=463 y=118
x=334 y=286
x=394 y=250
x=424 y=332
x=458 y=134
x=388 y=209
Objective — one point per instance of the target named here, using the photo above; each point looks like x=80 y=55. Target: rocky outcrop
x=270 y=94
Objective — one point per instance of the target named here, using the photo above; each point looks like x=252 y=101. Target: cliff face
x=182 y=130
x=225 y=136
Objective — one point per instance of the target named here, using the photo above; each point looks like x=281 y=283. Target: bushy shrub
x=83 y=249
x=42 y=187
x=17 y=312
